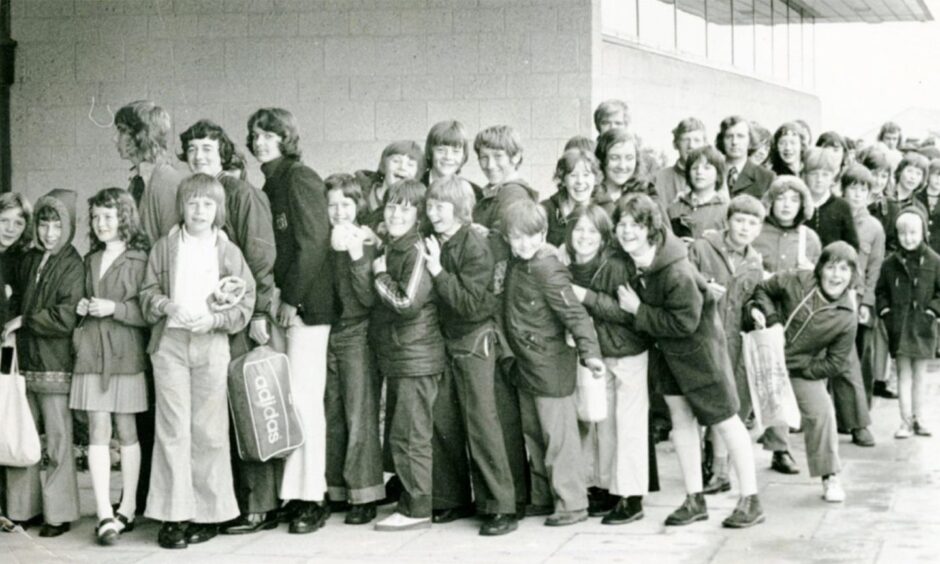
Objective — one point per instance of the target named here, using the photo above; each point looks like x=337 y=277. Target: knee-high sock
x=99 y=466
x=719 y=454
x=130 y=473
x=686 y=439
x=736 y=438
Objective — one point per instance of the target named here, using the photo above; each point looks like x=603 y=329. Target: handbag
x=259 y=393
x=19 y=439
x=768 y=381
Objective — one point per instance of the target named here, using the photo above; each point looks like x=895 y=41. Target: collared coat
x=908 y=300
x=753 y=180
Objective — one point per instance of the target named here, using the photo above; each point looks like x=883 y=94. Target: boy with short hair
x=670 y=181
x=540 y=307
x=461 y=264
x=611 y=114
x=499 y=151
x=53 y=278
x=733 y=269
x=410 y=352
x=833 y=218
x=704 y=206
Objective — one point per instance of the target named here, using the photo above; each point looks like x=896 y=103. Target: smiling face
x=203 y=156
x=266 y=145
x=786 y=207
x=400 y=217
x=737 y=139
x=882 y=176
x=910 y=179
x=856 y=195
x=743 y=228
x=340 y=208
x=49 y=231
x=525 y=246
x=621 y=163
x=586 y=240
x=199 y=214
x=632 y=236
x=760 y=154
x=790 y=147
x=497 y=165
x=835 y=278
x=704 y=175
x=579 y=183
x=442 y=216
x=12 y=226
x=910 y=231
x=446 y=160
x=399 y=167
x=105 y=223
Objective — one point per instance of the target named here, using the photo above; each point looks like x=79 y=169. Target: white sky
x=866 y=74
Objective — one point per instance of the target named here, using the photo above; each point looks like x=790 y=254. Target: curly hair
x=129 y=228
x=148 y=126
x=17 y=201
x=208 y=129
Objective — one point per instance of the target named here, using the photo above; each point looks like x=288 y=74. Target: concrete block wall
x=356 y=73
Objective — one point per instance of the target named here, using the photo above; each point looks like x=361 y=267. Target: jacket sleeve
x=607 y=308
x=814 y=246
x=406 y=297
x=767 y=295
x=556 y=285
x=465 y=290
x=873 y=268
x=236 y=318
x=680 y=313
x=311 y=229
x=833 y=360
x=256 y=234
x=59 y=318
x=362 y=278
x=129 y=311
x=153 y=297
x=934 y=303
x=849 y=233
x=883 y=289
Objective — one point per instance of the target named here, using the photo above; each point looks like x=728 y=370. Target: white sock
x=130 y=473
x=99 y=466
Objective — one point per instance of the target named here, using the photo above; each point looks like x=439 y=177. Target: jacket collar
x=277 y=167
x=404 y=242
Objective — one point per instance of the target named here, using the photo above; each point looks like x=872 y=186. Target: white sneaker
x=904 y=432
x=398 y=522
x=832 y=490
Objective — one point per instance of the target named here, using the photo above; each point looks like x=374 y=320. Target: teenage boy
x=611 y=114
x=461 y=263
x=670 y=181
x=540 y=308
x=499 y=151
x=704 y=206
x=743 y=176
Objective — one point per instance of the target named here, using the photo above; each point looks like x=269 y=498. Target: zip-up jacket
x=464 y=286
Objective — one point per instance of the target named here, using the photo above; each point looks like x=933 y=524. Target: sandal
x=125 y=525
x=107 y=531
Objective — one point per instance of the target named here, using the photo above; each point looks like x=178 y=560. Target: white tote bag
x=19 y=440
x=768 y=379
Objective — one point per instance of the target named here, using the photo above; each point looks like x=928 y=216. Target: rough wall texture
x=356 y=73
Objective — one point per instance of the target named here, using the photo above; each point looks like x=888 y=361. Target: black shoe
x=49 y=531
x=627 y=510
x=782 y=462
x=172 y=535
x=717 y=484
x=601 y=503
x=499 y=524
x=287 y=512
x=360 y=514
x=880 y=389
x=393 y=490
x=747 y=513
x=692 y=509
x=201 y=532
x=249 y=523
x=441 y=516
x=659 y=430
x=862 y=437
x=32 y=522
x=311 y=517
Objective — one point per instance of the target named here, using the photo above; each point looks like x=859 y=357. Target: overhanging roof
x=824 y=11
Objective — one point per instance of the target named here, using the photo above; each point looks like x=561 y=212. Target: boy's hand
x=202 y=324
x=100 y=308
x=258 y=331
x=432 y=254
x=579 y=292
x=286 y=314
x=864 y=314
x=378 y=265
x=11 y=326
x=760 y=321
x=596 y=366
x=82 y=307
x=628 y=299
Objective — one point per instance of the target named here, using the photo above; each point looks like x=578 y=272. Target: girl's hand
x=432 y=254
x=12 y=326
x=628 y=299
x=354 y=242
x=579 y=292
x=760 y=321
x=178 y=315
x=202 y=324
x=378 y=265
x=286 y=314
x=101 y=308
x=82 y=307
x=864 y=314
x=596 y=366
x=258 y=331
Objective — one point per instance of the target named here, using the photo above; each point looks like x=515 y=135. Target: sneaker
x=832 y=489
x=904 y=431
x=920 y=430
x=398 y=522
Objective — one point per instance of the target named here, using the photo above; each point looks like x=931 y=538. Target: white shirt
x=197 y=274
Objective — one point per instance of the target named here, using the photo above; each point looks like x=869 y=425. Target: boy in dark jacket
x=460 y=261
x=499 y=151
x=52 y=278
x=410 y=351
x=540 y=306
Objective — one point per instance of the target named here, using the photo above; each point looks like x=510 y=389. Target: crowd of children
x=470 y=312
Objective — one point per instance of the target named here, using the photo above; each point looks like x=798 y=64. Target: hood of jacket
x=672 y=250
x=806 y=200
x=63 y=202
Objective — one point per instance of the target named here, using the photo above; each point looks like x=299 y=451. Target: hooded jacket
x=908 y=298
x=494 y=200
x=691 y=219
x=51 y=292
x=779 y=245
x=821 y=335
